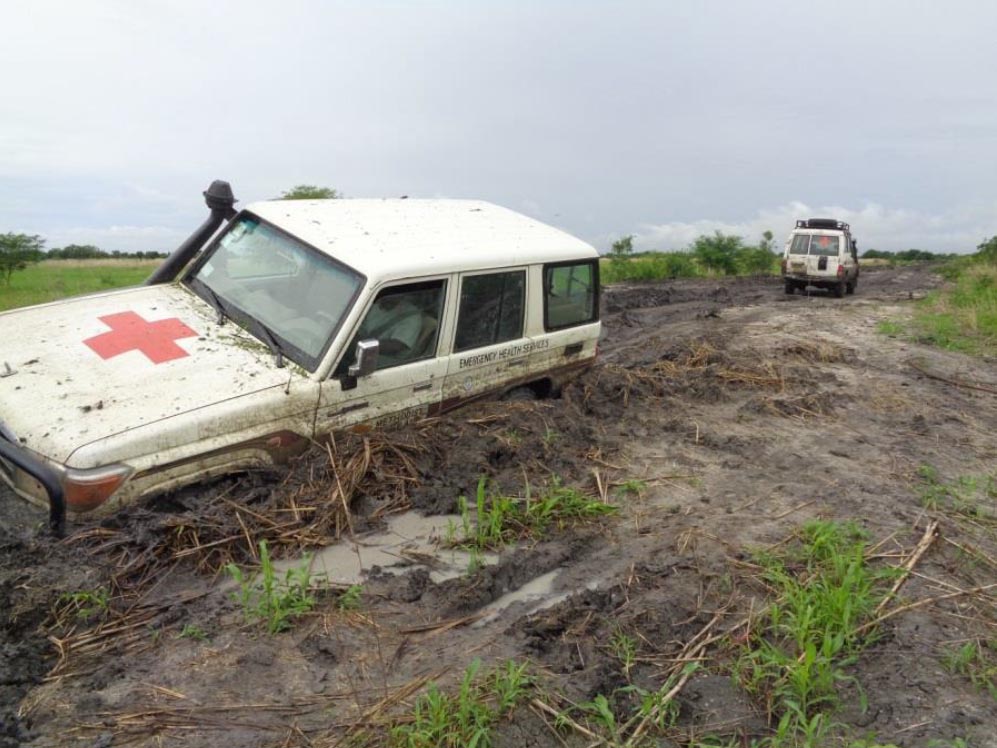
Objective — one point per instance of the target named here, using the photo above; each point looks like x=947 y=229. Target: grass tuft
x=464 y=719
x=269 y=599
x=88 y=604
x=977 y=661
x=824 y=592
x=968 y=496
x=499 y=520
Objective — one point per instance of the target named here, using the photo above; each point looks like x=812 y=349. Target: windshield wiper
x=215 y=302
x=272 y=342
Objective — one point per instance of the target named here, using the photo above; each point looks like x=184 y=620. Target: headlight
x=88 y=489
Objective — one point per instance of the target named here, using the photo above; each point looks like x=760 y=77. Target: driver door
x=407 y=320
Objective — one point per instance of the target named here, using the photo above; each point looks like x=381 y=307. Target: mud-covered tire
x=520 y=395
x=850 y=287
x=839 y=290
x=790 y=288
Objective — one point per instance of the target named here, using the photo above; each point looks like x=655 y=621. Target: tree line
x=18 y=251
x=906 y=255
x=724 y=254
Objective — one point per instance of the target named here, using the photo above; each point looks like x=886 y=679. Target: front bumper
x=14 y=457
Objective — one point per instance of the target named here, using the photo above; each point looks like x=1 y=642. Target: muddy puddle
x=722 y=416
x=409 y=542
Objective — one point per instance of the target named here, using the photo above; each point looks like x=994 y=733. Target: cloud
x=875 y=226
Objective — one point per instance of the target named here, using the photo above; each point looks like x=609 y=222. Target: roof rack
x=822 y=223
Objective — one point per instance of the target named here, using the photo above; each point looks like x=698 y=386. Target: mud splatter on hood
x=86 y=368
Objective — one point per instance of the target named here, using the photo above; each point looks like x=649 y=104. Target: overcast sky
x=660 y=119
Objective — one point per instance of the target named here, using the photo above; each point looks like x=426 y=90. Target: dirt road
x=721 y=417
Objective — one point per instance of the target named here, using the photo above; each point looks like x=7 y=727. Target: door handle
x=422 y=387
x=351 y=407
x=573 y=349
x=515 y=362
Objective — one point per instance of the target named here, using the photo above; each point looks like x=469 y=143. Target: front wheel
x=521 y=395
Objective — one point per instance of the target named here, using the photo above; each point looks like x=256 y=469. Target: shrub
x=718 y=253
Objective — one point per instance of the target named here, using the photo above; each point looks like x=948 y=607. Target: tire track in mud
x=655 y=573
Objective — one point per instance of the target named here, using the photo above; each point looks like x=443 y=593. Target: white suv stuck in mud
x=821 y=252
x=299 y=319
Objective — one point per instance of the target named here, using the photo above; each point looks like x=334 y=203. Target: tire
x=520 y=395
x=850 y=287
x=790 y=287
x=839 y=290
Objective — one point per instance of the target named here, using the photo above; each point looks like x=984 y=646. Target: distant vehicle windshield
x=258 y=274
x=815 y=245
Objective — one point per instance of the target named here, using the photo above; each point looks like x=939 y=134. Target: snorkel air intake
x=221 y=203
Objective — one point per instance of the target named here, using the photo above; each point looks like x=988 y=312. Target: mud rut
x=741 y=411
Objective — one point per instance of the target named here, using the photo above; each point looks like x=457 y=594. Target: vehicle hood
x=82 y=369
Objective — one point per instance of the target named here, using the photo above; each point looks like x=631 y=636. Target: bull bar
x=49 y=479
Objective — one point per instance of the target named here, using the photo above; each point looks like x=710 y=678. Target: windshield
x=816 y=244
x=258 y=274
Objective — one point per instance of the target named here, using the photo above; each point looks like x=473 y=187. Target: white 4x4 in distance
x=298 y=319
x=821 y=252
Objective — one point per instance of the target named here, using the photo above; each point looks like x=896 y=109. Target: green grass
x=271 y=600
x=798 y=654
x=976 y=661
x=57 y=279
x=192 y=631
x=88 y=604
x=630 y=715
x=891 y=328
x=499 y=520
x=962 y=316
x=464 y=719
x=633 y=487
x=650 y=266
x=350 y=599
x=973 y=497
x=624 y=648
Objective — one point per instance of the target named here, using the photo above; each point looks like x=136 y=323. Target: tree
x=718 y=252
x=17 y=251
x=622 y=248
x=766 y=242
x=988 y=250
x=309 y=192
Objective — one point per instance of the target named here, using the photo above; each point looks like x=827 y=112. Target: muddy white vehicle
x=299 y=319
x=821 y=252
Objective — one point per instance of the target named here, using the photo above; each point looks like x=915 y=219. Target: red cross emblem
x=129 y=332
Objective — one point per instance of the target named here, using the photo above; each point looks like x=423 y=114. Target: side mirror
x=365 y=359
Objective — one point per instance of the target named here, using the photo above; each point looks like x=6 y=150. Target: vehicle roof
x=400 y=238
x=820 y=231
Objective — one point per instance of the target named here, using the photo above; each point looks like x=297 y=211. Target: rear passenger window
x=801 y=244
x=491 y=309
x=570 y=295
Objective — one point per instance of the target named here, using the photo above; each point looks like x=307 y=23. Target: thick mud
x=721 y=416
